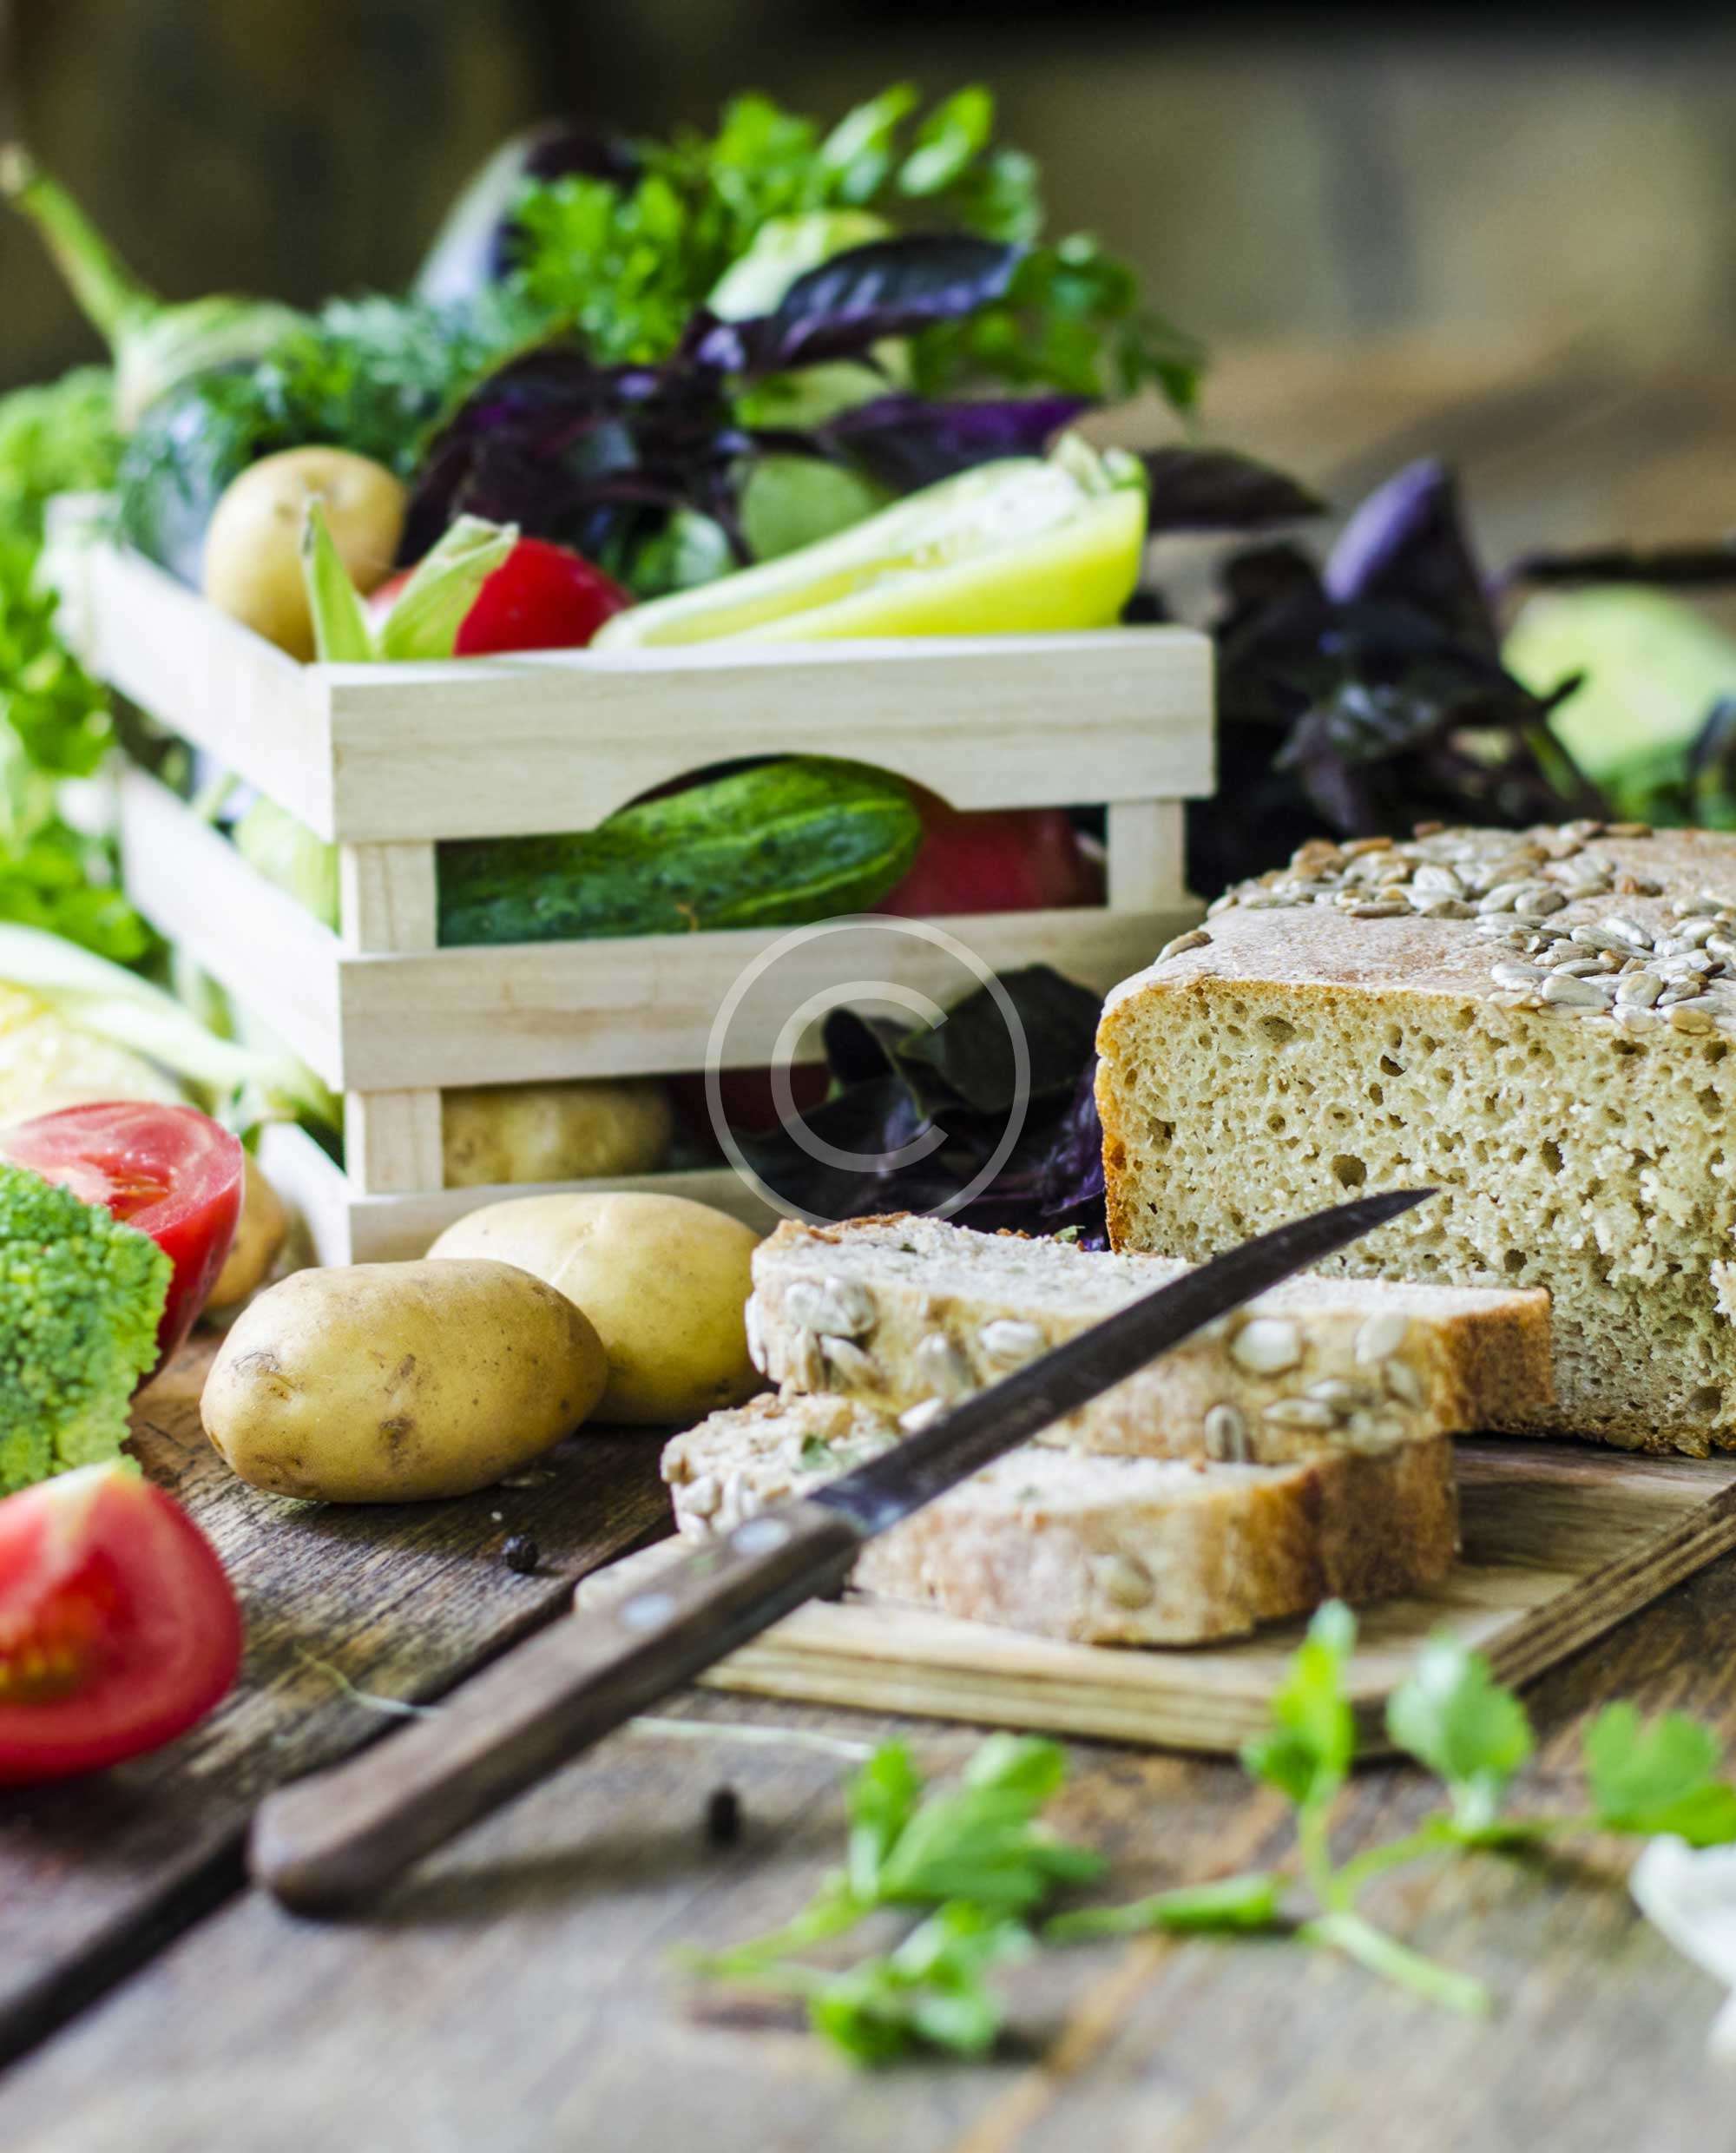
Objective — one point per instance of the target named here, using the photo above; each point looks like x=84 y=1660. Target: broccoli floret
x=81 y=1297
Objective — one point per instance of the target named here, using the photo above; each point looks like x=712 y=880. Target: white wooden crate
x=385 y=760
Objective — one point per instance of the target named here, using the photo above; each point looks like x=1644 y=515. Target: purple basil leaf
x=860 y=1049
x=1072 y=1185
x=889 y=1091
x=1217 y=489
x=1406 y=546
x=576 y=452
x=889 y=288
x=906 y=443
x=973 y=1051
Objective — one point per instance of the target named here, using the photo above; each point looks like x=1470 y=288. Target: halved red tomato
x=1000 y=860
x=118 y=1628
x=170 y=1170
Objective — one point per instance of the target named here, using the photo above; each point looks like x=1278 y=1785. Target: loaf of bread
x=907 y=1313
x=1541 y=1026
x=1100 y=1550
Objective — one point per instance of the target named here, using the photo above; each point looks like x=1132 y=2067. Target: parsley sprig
x=978 y=1862
x=625 y=263
x=1474 y=1736
x=975 y=1859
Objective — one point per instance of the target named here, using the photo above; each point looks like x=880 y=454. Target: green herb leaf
x=1450 y=1714
x=55 y=878
x=857 y=155
x=1313 y=1741
x=1239 y=1903
x=1660 y=1778
x=626 y=266
x=341 y=633
x=931 y=1992
x=430 y=610
x=953 y=134
x=883 y=1798
x=979 y=1841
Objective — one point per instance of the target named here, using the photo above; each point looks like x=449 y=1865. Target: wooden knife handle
x=339 y=1836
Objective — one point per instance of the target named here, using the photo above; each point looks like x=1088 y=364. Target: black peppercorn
x=723 y=1817
x=521 y=1554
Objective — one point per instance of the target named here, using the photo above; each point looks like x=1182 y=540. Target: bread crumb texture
x=1539 y=1027
x=911 y=1314
x=1099 y=1551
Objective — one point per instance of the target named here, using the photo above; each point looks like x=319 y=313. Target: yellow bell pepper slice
x=1025 y=546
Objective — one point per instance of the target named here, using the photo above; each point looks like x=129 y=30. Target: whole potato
x=563 y=1132
x=664 y=1280
x=260 y=1234
x=252 y=547
x=396 y=1382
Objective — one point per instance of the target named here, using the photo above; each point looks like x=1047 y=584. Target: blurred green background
x=1306 y=175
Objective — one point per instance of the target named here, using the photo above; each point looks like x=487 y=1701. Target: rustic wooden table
x=518 y=1993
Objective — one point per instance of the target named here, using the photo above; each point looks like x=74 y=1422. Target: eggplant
x=473 y=248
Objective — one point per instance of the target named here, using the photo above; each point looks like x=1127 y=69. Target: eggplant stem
x=112 y=297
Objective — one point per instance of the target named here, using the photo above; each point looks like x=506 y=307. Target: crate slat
x=255 y=940
x=388 y=896
x=346 y=1227
x=558 y=740
x=193 y=669
x=1147 y=851
x=392 y=1141
x=535 y=1011
x=539 y=1011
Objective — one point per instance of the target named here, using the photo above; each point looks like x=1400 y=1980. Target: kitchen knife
x=336 y=1838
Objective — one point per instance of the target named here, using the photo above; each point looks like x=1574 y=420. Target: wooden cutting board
x=1561 y=1542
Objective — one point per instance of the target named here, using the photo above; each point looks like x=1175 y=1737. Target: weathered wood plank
x=395 y=1602
x=520 y=1992
x=1562 y=1542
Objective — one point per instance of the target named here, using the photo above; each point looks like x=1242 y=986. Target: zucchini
x=774 y=846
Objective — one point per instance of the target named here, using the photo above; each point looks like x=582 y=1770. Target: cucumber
x=775 y=846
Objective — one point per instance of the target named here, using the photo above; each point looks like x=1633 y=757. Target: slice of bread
x=1543 y=1026
x=1101 y=1550
x=901 y=1311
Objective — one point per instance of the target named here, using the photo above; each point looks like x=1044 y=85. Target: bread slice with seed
x=1101 y=1550
x=907 y=1313
x=1541 y=1025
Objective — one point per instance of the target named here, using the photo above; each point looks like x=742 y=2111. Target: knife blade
x=330 y=1841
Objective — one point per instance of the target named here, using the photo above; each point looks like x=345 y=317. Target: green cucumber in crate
x=775 y=846
x=771 y=846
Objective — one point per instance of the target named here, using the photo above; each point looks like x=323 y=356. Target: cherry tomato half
x=118 y=1629
x=170 y=1170
x=541 y=597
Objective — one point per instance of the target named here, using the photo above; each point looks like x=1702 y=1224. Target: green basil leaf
x=1658 y=1778
x=1450 y=1714
x=1312 y=1739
